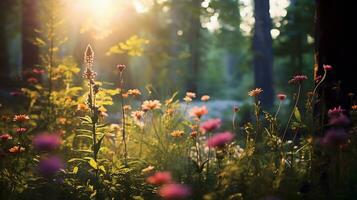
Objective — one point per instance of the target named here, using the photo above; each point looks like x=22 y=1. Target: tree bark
x=263 y=52
x=30 y=52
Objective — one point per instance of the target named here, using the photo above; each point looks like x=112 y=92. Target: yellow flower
x=255 y=92
x=151 y=105
x=177 y=133
x=205 y=98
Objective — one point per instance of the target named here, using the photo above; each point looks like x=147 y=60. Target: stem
x=209 y=156
x=257 y=109
x=123 y=120
x=292 y=112
x=278 y=110
x=233 y=121
x=318 y=84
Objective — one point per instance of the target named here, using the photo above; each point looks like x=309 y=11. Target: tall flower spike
x=89 y=55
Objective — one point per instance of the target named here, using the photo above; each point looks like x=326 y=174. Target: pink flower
x=160 y=178
x=281 y=97
x=5 y=137
x=38 y=71
x=220 y=139
x=334 y=137
x=336 y=111
x=174 y=191
x=210 y=125
x=32 y=80
x=298 y=79
x=46 y=142
x=198 y=111
x=327 y=67
x=20 y=130
x=339 y=120
x=16 y=93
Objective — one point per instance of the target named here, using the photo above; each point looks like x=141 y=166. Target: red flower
x=281 y=97
x=160 y=178
x=211 y=125
x=327 y=67
x=174 y=191
x=38 y=71
x=32 y=80
x=220 y=139
x=20 y=130
x=21 y=118
x=5 y=137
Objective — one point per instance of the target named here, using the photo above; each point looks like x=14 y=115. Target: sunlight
x=101 y=8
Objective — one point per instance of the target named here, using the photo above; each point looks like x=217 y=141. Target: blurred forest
x=205 y=46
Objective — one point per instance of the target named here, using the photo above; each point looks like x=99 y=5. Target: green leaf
x=93 y=164
x=85 y=136
x=76 y=159
x=97 y=146
x=297 y=114
x=102 y=168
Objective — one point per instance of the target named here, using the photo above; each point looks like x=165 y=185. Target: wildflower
x=121 y=68
x=21 y=118
x=151 y=105
x=20 y=130
x=281 y=97
x=205 y=98
x=148 y=169
x=50 y=166
x=89 y=55
x=211 y=125
x=177 y=133
x=134 y=92
x=220 y=139
x=255 y=92
x=192 y=95
x=160 y=178
x=336 y=111
x=194 y=134
x=16 y=149
x=327 y=67
x=339 y=120
x=334 y=137
x=32 y=80
x=38 y=71
x=198 y=111
x=174 y=191
x=82 y=107
x=187 y=99
x=354 y=107
x=5 y=137
x=298 y=79
x=46 y=142
x=127 y=107
x=138 y=115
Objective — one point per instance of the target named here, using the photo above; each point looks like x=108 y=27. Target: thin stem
x=319 y=83
x=233 y=121
x=123 y=120
x=278 y=110
x=292 y=112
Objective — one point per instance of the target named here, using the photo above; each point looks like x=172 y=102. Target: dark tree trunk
x=30 y=52
x=336 y=42
x=263 y=52
x=194 y=44
x=4 y=61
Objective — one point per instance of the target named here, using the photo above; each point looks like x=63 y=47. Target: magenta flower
x=298 y=79
x=160 y=178
x=220 y=139
x=174 y=191
x=281 y=97
x=334 y=137
x=46 y=142
x=327 y=67
x=50 y=166
x=336 y=111
x=5 y=137
x=210 y=125
x=339 y=120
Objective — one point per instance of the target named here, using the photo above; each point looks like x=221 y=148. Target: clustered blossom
x=177 y=133
x=205 y=98
x=220 y=139
x=160 y=178
x=281 y=97
x=174 y=191
x=255 y=92
x=21 y=118
x=48 y=167
x=46 y=142
x=298 y=79
x=210 y=125
x=198 y=112
x=150 y=105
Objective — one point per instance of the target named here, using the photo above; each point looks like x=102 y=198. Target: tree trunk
x=336 y=42
x=194 y=45
x=263 y=52
x=30 y=52
x=4 y=61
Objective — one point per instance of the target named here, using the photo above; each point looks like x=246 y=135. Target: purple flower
x=174 y=191
x=334 y=137
x=339 y=120
x=46 y=142
x=50 y=166
x=220 y=139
